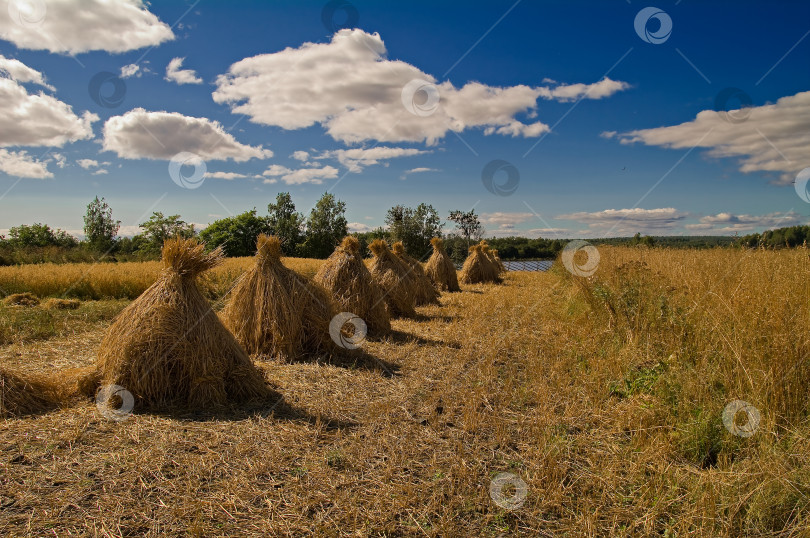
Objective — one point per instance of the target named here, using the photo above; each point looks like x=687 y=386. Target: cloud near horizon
x=349 y=87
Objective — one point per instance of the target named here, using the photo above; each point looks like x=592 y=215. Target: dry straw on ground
x=61 y=304
x=478 y=268
x=169 y=348
x=425 y=292
x=21 y=299
x=25 y=394
x=275 y=311
x=393 y=276
x=347 y=279
x=440 y=268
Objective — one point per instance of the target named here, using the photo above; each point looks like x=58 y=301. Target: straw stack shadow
x=354 y=290
x=425 y=292
x=441 y=269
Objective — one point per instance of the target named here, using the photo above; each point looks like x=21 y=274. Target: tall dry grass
x=126 y=280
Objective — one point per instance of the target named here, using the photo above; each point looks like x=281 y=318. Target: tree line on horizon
x=316 y=235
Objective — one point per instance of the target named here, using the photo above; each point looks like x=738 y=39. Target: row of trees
x=314 y=235
x=792 y=236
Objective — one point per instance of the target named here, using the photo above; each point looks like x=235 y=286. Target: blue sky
x=609 y=134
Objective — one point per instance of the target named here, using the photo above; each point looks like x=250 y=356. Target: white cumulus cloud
x=181 y=76
x=75 y=26
x=16 y=70
x=140 y=134
x=350 y=88
x=314 y=175
x=21 y=164
x=358 y=158
x=37 y=119
x=773 y=138
x=728 y=223
x=628 y=221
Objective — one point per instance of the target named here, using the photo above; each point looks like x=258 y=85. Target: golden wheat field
x=609 y=400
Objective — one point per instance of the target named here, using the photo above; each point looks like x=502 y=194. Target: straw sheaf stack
x=169 y=348
x=478 y=268
x=275 y=311
x=440 y=268
x=393 y=276
x=348 y=280
x=425 y=292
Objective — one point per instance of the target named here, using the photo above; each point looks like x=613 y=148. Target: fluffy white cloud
x=356 y=93
x=101 y=172
x=773 y=138
x=75 y=26
x=276 y=170
x=140 y=134
x=358 y=227
x=21 y=164
x=181 y=76
x=358 y=158
x=628 y=221
x=131 y=70
x=728 y=223
x=300 y=155
x=16 y=70
x=87 y=164
x=310 y=175
x=38 y=120
x=505 y=221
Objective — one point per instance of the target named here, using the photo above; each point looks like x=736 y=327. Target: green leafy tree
x=236 y=235
x=159 y=228
x=286 y=223
x=100 y=229
x=468 y=225
x=326 y=227
x=414 y=227
x=40 y=235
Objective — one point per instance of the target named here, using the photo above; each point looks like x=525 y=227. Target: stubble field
x=604 y=396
